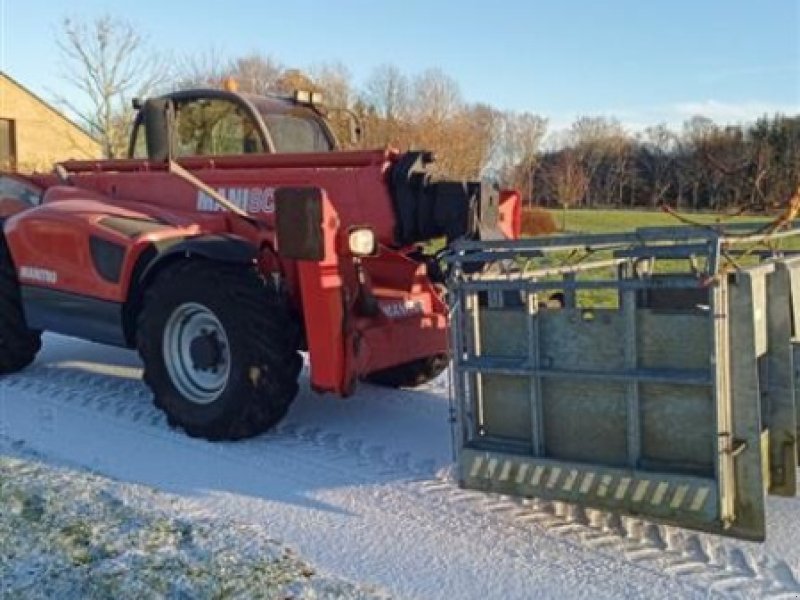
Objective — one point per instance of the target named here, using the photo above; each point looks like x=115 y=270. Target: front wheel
x=219 y=349
x=410 y=374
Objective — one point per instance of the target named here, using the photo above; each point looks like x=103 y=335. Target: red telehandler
x=235 y=235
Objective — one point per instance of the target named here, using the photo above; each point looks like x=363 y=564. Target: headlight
x=362 y=242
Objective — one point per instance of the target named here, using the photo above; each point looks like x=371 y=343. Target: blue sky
x=643 y=61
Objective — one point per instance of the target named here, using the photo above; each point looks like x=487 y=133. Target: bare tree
x=569 y=181
x=465 y=142
x=257 y=73
x=521 y=136
x=336 y=83
x=254 y=73
x=387 y=90
x=386 y=106
x=696 y=132
x=594 y=140
x=107 y=64
x=295 y=79
x=436 y=96
x=434 y=119
x=484 y=131
x=208 y=68
x=657 y=156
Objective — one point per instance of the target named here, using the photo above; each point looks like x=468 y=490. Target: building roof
x=47 y=105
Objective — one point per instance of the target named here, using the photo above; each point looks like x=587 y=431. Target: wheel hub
x=196 y=353
x=205 y=351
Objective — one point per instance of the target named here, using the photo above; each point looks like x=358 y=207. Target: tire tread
x=18 y=344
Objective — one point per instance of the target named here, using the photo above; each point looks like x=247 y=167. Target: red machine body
x=87 y=243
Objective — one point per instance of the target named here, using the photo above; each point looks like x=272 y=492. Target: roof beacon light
x=229 y=84
x=302 y=96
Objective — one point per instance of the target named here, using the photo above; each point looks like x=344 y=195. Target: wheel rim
x=197 y=353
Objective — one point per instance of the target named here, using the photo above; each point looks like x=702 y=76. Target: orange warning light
x=229 y=85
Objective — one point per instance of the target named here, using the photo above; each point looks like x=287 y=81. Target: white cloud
x=727 y=112
x=637 y=119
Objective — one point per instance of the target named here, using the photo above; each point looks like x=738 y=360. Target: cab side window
x=214 y=127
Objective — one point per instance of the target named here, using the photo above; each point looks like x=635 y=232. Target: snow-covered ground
x=68 y=534
x=359 y=488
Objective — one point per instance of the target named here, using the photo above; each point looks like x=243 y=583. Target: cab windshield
x=292 y=133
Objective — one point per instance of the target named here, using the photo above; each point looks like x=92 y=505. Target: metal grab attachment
x=656 y=378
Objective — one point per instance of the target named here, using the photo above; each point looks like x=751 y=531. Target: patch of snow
x=65 y=533
x=361 y=487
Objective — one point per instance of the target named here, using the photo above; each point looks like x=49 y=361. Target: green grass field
x=602 y=221
x=605 y=221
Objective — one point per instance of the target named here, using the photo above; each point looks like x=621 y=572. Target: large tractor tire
x=18 y=344
x=410 y=374
x=220 y=349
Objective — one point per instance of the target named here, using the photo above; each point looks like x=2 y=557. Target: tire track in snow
x=265 y=452
x=702 y=561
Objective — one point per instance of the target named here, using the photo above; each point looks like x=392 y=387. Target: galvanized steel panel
x=653 y=408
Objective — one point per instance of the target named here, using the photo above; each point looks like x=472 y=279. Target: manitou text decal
x=398 y=310
x=249 y=199
x=38 y=274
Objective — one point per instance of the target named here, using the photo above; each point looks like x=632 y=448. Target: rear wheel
x=219 y=348
x=410 y=374
x=18 y=344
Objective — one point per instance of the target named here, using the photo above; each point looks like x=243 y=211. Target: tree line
x=705 y=166
x=595 y=163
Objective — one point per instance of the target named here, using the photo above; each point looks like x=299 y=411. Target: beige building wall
x=44 y=136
